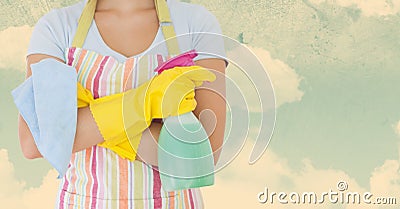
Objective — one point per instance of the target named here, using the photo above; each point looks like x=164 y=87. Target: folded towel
x=48 y=103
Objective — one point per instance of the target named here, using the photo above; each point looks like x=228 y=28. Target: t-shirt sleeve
x=48 y=36
x=207 y=35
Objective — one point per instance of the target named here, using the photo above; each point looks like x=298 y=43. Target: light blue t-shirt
x=195 y=27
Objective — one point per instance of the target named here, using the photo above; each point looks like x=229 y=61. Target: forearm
x=27 y=143
x=211 y=105
x=212 y=116
x=88 y=135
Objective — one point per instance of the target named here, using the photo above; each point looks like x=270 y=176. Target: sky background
x=334 y=68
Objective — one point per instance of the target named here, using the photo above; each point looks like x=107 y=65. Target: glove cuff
x=107 y=113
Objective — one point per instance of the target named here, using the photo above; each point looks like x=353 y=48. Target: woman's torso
x=97 y=177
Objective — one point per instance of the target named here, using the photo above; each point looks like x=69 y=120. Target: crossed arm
x=88 y=134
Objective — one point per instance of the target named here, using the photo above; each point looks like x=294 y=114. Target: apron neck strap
x=164 y=20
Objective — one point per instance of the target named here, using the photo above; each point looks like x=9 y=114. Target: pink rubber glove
x=182 y=60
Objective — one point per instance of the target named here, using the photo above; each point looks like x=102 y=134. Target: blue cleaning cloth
x=48 y=103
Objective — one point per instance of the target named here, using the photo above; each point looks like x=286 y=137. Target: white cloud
x=14 y=42
x=385 y=180
x=15 y=195
x=238 y=184
x=284 y=79
x=369 y=7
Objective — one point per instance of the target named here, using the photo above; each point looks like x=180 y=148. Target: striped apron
x=97 y=177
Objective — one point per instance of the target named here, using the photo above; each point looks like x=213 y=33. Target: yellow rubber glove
x=123 y=117
x=123 y=149
x=84 y=96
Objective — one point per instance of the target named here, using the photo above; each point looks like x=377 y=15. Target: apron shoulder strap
x=84 y=23
x=167 y=27
x=163 y=15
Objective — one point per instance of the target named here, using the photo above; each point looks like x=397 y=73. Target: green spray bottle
x=185 y=157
